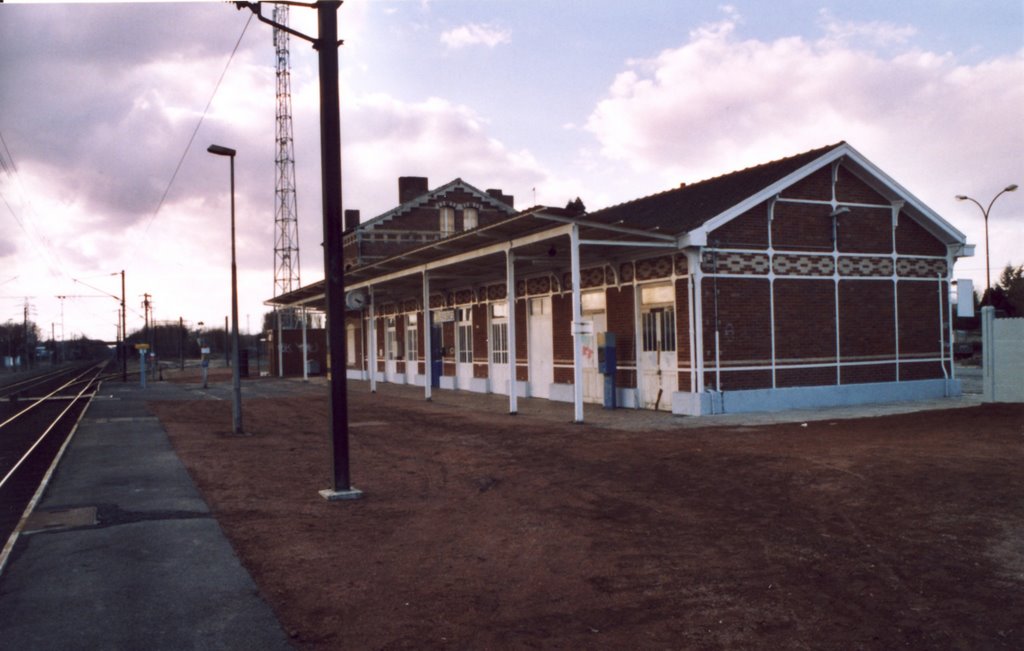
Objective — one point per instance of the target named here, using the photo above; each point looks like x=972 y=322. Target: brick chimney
x=506 y=199
x=410 y=187
x=351 y=220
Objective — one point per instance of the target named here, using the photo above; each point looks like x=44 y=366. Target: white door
x=412 y=349
x=497 y=342
x=463 y=348
x=539 y=347
x=390 y=350
x=593 y=381
x=657 y=356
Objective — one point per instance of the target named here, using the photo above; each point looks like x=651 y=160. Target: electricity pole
x=326 y=44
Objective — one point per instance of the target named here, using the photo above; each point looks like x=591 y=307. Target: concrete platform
x=123 y=553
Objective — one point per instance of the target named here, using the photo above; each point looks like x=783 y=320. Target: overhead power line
x=198 y=124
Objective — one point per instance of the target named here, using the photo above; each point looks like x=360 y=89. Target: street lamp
x=236 y=379
x=984 y=211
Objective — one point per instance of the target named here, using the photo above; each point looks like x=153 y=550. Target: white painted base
x=737 y=402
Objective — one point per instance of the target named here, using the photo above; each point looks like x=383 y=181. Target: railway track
x=38 y=413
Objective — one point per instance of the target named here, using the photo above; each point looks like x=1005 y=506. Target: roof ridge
x=689 y=186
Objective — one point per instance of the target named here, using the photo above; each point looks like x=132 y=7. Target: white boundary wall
x=1002 y=357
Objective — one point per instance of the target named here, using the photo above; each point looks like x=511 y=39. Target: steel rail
x=9 y=389
x=40 y=400
x=53 y=424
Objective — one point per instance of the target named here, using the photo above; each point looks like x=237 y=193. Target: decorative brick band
x=920 y=267
x=857 y=266
x=463 y=296
x=496 y=292
x=736 y=263
x=660 y=267
x=540 y=285
x=681 y=264
x=593 y=277
x=626 y=272
x=803 y=265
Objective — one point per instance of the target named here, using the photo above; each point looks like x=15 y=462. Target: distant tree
x=576 y=205
x=1011 y=282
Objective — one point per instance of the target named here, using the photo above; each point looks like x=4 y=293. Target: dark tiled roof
x=683 y=209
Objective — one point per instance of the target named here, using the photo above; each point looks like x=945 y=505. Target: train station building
x=807 y=281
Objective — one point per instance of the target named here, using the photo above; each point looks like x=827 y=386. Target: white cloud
x=875 y=33
x=475 y=34
x=387 y=138
x=719 y=103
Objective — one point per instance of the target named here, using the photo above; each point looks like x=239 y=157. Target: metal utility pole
x=286 y=224
x=124 y=335
x=145 y=311
x=326 y=44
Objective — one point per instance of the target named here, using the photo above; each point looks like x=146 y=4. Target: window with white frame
x=447 y=221
x=469 y=219
x=412 y=338
x=592 y=301
x=464 y=335
x=350 y=344
x=391 y=339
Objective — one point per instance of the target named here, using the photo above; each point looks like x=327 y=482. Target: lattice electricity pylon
x=286 y=220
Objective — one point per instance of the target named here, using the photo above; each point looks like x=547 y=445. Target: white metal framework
x=286 y=243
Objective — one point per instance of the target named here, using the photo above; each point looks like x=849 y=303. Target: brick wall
x=749 y=230
x=522 y=343
x=912 y=239
x=743 y=320
x=801 y=227
x=866 y=320
x=620 y=303
x=865 y=230
x=562 y=345
x=805 y=321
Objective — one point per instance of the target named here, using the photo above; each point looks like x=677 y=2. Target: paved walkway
x=643 y=419
x=123 y=553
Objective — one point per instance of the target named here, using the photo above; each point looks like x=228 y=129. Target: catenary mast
x=286 y=225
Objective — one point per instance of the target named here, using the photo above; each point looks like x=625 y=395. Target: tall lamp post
x=984 y=211
x=236 y=378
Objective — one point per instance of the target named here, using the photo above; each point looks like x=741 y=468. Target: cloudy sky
x=605 y=100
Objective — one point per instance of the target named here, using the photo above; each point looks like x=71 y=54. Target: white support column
x=280 y=346
x=771 y=282
x=896 y=207
x=950 y=260
x=942 y=339
x=577 y=317
x=638 y=328
x=693 y=259
x=305 y=350
x=428 y=350
x=510 y=272
x=373 y=342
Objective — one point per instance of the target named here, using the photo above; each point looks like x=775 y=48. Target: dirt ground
x=485 y=531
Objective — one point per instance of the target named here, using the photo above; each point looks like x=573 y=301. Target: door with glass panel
x=391 y=349
x=499 y=353
x=412 y=348
x=657 y=361
x=593 y=304
x=463 y=347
